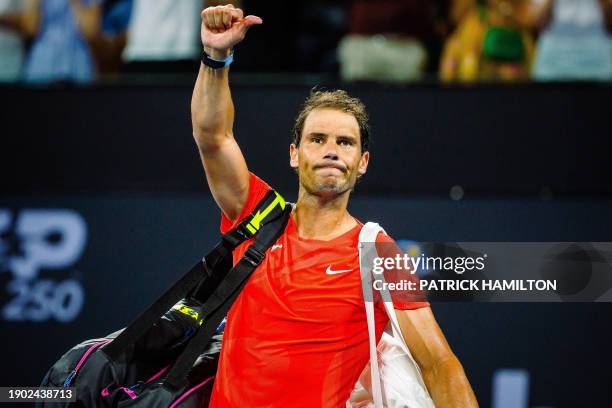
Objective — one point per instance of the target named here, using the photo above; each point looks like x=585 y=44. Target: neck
x=322 y=218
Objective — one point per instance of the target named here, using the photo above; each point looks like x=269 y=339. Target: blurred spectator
x=575 y=46
x=606 y=6
x=164 y=36
x=389 y=40
x=494 y=41
x=61 y=30
x=108 y=46
x=11 y=41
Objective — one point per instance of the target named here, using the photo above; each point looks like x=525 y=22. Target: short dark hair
x=339 y=100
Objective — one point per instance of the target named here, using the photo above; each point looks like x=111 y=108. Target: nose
x=330 y=151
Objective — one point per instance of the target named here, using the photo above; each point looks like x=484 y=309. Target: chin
x=331 y=188
x=327 y=186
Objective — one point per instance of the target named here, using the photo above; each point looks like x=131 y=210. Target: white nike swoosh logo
x=330 y=272
x=276 y=246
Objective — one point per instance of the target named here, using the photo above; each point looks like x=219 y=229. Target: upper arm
x=227 y=175
x=424 y=337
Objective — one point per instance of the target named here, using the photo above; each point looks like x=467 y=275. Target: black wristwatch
x=215 y=63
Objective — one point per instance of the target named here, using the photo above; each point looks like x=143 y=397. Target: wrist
x=217 y=54
x=216 y=63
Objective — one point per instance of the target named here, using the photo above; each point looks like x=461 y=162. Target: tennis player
x=297 y=334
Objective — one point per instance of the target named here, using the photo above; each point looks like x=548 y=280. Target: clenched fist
x=223 y=27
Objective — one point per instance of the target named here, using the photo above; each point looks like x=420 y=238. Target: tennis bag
x=167 y=357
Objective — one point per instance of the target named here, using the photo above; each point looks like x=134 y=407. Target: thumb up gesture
x=223 y=27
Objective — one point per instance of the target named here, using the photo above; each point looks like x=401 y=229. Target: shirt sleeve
x=402 y=299
x=257 y=190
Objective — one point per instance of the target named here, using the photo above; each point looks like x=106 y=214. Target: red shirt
x=297 y=334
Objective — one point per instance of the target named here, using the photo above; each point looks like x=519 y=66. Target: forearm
x=448 y=385
x=212 y=109
x=89 y=19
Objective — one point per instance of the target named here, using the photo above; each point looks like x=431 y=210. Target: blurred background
x=489 y=124
x=391 y=41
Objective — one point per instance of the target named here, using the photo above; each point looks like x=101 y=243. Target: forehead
x=332 y=122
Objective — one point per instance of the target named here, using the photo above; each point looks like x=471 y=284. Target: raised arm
x=212 y=110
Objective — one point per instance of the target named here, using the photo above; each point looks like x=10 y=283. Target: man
x=297 y=334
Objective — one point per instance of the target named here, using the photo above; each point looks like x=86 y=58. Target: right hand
x=223 y=27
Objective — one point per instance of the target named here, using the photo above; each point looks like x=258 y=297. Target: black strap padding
x=144 y=321
x=207 y=273
x=219 y=303
x=203 y=271
x=236 y=236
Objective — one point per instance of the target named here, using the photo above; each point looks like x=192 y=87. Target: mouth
x=331 y=166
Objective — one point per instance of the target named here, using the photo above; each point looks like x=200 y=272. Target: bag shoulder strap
x=367 y=251
x=268 y=208
x=271 y=207
x=220 y=301
x=368 y=234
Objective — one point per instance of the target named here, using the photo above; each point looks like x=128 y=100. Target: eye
x=317 y=139
x=345 y=142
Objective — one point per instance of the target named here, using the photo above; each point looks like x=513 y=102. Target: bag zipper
x=90 y=350
x=163 y=370
x=130 y=390
x=186 y=394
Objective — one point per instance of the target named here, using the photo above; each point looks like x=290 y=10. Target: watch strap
x=216 y=63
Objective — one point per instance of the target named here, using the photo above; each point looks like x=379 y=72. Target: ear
x=363 y=163
x=293 y=156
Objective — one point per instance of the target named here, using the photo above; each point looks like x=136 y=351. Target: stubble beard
x=337 y=187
